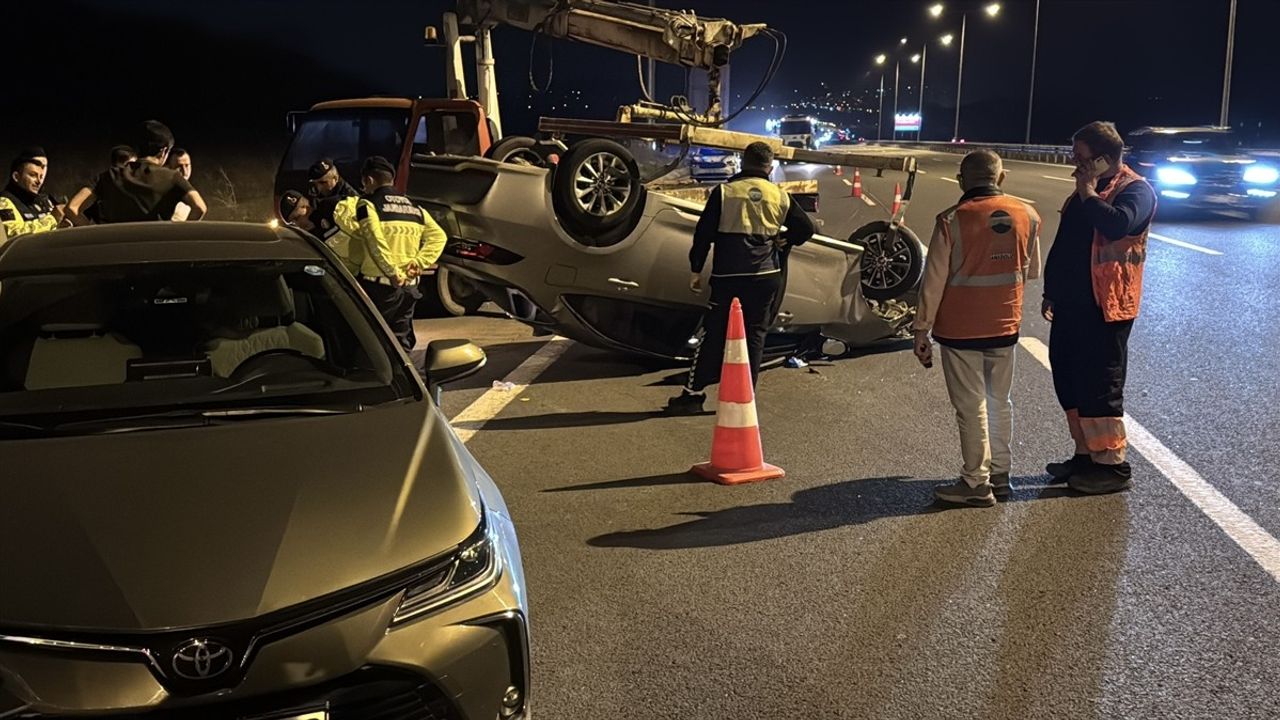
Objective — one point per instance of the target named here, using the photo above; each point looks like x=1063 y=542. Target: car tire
x=596 y=188
x=447 y=294
x=524 y=150
x=888 y=270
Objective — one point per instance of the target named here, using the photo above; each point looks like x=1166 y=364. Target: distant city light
x=903 y=41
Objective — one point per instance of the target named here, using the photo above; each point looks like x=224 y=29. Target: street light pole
x=924 y=58
x=880 y=129
x=897 y=65
x=964 y=22
x=1226 y=78
x=1031 y=96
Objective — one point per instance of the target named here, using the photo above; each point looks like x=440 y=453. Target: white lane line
x=1181 y=244
x=1059 y=179
x=1261 y=546
x=922 y=171
x=468 y=422
x=1028 y=201
x=846 y=181
x=949 y=179
x=867 y=199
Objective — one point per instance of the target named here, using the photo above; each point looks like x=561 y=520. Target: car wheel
x=447 y=294
x=891 y=267
x=596 y=187
x=524 y=150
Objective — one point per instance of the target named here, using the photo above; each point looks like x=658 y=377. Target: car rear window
x=348 y=136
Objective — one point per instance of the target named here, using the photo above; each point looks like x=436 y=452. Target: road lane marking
x=1182 y=244
x=846 y=181
x=949 y=179
x=468 y=422
x=1015 y=197
x=1247 y=534
x=867 y=199
x=1059 y=179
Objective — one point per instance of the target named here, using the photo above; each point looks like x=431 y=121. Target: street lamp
x=1226 y=78
x=992 y=10
x=880 y=60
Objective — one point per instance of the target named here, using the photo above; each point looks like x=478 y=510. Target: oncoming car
x=1203 y=168
x=712 y=164
x=228 y=493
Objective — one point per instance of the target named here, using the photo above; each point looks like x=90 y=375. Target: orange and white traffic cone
x=897 y=197
x=736 y=454
x=839 y=171
x=857 y=184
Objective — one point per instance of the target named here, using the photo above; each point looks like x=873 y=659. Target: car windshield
x=90 y=344
x=1192 y=142
x=795 y=127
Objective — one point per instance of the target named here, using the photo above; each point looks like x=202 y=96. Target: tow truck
x=427 y=136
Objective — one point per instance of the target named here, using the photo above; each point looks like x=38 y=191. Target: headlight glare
x=1175 y=176
x=1261 y=175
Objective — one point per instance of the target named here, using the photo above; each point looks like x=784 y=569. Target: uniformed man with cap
x=23 y=208
x=400 y=240
x=752 y=224
x=327 y=183
x=299 y=211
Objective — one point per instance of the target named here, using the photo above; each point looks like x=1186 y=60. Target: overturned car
x=585 y=250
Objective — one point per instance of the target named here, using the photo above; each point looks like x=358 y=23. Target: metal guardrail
x=1053 y=154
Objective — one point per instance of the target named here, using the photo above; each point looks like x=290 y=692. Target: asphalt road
x=842 y=591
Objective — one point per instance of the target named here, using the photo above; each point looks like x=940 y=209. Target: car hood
x=190 y=527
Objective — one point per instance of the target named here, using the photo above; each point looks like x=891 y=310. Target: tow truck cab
x=396 y=128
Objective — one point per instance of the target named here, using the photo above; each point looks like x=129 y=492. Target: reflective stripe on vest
x=1117 y=265
x=753 y=206
x=990 y=251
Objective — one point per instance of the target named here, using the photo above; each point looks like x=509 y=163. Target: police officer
x=752 y=224
x=298 y=211
x=400 y=240
x=327 y=183
x=23 y=208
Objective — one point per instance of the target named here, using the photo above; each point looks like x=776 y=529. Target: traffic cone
x=736 y=455
x=897 y=197
x=857 y=184
x=839 y=171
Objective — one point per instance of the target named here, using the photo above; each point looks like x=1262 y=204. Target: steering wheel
x=275 y=361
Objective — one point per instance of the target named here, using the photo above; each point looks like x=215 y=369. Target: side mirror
x=450 y=360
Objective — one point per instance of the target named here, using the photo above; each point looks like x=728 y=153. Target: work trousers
x=395 y=304
x=980 y=384
x=1089 y=357
x=757 y=294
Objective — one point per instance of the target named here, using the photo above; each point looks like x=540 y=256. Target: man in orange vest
x=1092 y=289
x=982 y=253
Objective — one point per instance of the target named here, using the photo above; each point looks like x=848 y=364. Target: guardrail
x=1054 y=154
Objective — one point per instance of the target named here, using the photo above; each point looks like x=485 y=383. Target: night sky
x=223 y=74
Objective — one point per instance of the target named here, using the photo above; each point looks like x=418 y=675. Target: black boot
x=1102 y=479
x=686 y=403
x=1060 y=471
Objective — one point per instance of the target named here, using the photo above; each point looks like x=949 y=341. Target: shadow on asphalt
x=650 y=481
x=827 y=507
x=566 y=420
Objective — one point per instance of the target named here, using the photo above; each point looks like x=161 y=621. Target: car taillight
x=482 y=252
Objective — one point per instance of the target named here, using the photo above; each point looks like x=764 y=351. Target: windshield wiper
x=196 y=417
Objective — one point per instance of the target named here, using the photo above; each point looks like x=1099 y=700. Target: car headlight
x=1261 y=175
x=473 y=568
x=1174 y=176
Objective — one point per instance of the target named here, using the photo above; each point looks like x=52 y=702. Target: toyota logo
x=202 y=659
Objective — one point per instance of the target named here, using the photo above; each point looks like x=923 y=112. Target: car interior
x=67 y=331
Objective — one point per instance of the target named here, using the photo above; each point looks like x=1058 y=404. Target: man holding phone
x=1092 y=290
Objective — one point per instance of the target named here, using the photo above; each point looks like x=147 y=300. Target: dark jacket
x=741 y=254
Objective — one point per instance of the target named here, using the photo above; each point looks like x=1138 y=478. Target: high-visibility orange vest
x=990 y=240
x=1117 y=264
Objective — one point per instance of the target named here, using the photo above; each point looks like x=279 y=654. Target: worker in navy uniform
x=752 y=224
x=399 y=240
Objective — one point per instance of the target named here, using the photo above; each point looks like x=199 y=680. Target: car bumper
x=457 y=663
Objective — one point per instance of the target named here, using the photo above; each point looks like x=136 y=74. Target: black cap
x=288 y=203
x=27 y=155
x=377 y=163
x=320 y=169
